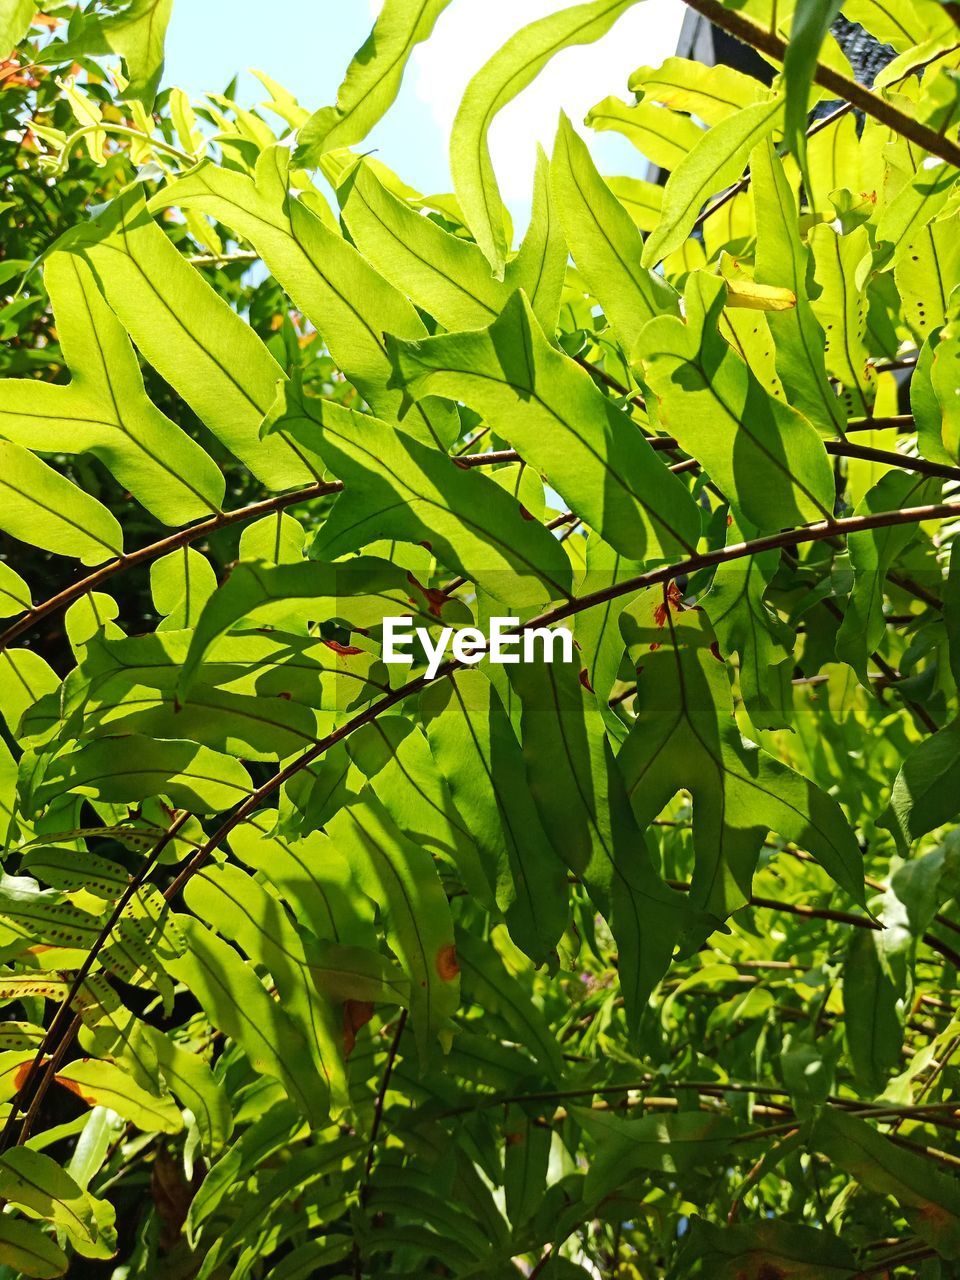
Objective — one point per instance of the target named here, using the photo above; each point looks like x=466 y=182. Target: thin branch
x=54 y=1030
x=871 y=104
x=787 y=538
x=173 y=542
x=378 y=1107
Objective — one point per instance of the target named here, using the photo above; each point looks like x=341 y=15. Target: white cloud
x=471 y=31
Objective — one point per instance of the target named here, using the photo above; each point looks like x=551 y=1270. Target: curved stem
x=653 y=577
x=773 y=46
x=123 y=131
x=50 y=1044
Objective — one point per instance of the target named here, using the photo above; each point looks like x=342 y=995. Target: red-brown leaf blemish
x=345 y=650
x=514 y=1139
x=585 y=679
x=356 y=1014
x=447 y=965
x=21 y=1074
x=75 y=1088
x=715 y=650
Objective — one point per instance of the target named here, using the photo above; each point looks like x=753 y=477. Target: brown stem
x=182 y=538
x=378 y=1107
x=53 y=1031
x=789 y=537
x=773 y=46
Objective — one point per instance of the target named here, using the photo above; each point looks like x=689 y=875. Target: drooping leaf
x=684 y=737
x=766 y=1247
x=717 y=161
x=812 y=20
x=746 y=624
x=237 y=1003
x=605 y=244
x=476 y=749
x=498 y=82
x=372 y=80
x=782 y=259
x=585 y=811
x=401 y=878
x=927 y=1196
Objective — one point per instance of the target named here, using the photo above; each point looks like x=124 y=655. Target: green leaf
x=658 y=1144
x=132 y=767
x=605 y=244
x=783 y=260
x=766 y=1247
x=28 y=1251
x=540 y=266
x=190 y=335
x=137 y=34
x=745 y=624
x=38 y=1184
x=585 y=811
x=475 y=747
x=873 y=1016
x=812 y=20
x=766 y=458
x=397 y=487
x=925 y=792
x=42 y=508
x=663 y=137
x=180 y=584
x=25 y=678
x=444 y=275
x=841 y=310
x=526 y=1160
x=245 y=913
x=684 y=736
x=550 y=410
x=105 y=410
x=15 y=595
x=498 y=82
x=872 y=553
x=929 y=1198
x=101 y=1084
x=237 y=1003
x=350 y=303
x=312 y=875
x=717 y=161
x=372 y=80
x=711 y=93
x=401 y=878
x=16 y=17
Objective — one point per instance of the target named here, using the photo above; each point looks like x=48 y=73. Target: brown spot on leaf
x=345 y=650
x=76 y=1088
x=585 y=679
x=356 y=1014
x=514 y=1139
x=447 y=965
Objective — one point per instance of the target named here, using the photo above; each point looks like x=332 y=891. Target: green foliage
x=638 y=964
